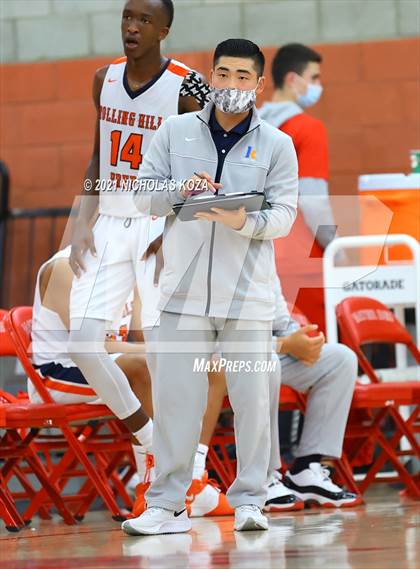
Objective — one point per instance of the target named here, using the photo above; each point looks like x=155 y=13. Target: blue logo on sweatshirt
x=251 y=153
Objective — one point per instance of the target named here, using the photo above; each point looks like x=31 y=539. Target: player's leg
x=330 y=384
x=87 y=350
x=135 y=369
x=248 y=343
x=96 y=301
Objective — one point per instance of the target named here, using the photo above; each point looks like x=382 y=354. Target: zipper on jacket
x=213 y=228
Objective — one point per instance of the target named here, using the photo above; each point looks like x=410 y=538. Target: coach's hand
x=234 y=219
x=155 y=248
x=303 y=347
x=82 y=241
x=199 y=183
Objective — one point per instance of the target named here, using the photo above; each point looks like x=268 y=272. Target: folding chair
x=79 y=437
x=365 y=321
x=15 y=447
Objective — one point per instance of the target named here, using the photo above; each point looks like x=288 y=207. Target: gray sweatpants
x=330 y=385
x=180 y=399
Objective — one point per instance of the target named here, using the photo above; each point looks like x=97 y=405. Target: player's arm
x=82 y=239
x=136 y=332
x=54 y=286
x=136 y=339
x=194 y=93
x=117 y=347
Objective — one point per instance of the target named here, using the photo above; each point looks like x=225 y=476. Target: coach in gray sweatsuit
x=216 y=285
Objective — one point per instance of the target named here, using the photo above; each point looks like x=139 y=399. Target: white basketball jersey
x=49 y=335
x=128 y=121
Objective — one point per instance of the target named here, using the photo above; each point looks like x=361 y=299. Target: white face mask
x=311 y=97
x=233 y=100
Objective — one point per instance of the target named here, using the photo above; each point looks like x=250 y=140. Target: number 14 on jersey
x=130 y=151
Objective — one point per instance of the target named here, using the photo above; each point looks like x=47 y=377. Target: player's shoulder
x=178 y=68
x=101 y=72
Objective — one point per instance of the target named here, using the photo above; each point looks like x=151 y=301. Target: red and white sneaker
x=280 y=498
x=204 y=498
x=315 y=485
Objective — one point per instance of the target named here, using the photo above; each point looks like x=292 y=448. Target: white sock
x=145 y=438
x=200 y=461
x=145 y=435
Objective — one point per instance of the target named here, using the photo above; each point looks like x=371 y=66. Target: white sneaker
x=280 y=498
x=156 y=521
x=249 y=518
x=314 y=484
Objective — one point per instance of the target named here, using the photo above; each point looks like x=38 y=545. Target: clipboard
x=252 y=201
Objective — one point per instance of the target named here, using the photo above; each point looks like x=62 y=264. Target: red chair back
x=364 y=320
x=7 y=347
x=19 y=323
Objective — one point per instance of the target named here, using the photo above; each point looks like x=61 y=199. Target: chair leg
x=31 y=493
x=12 y=519
x=220 y=468
x=118 y=485
x=102 y=488
x=345 y=471
x=369 y=436
x=404 y=475
x=51 y=489
x=402 y=429
x=54 y=477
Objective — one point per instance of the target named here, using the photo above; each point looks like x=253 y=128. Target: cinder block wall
x=34 y=30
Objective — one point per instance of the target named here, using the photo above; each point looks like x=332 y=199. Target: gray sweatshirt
x=209 y=269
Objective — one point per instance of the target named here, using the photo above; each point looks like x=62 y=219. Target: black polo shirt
x=225 y=140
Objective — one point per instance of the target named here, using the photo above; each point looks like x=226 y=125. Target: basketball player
x=133 y=96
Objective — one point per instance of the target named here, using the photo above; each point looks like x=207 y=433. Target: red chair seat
x=382 y=394
x=25 y=414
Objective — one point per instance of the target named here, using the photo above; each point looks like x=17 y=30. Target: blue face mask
x=312 y=96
